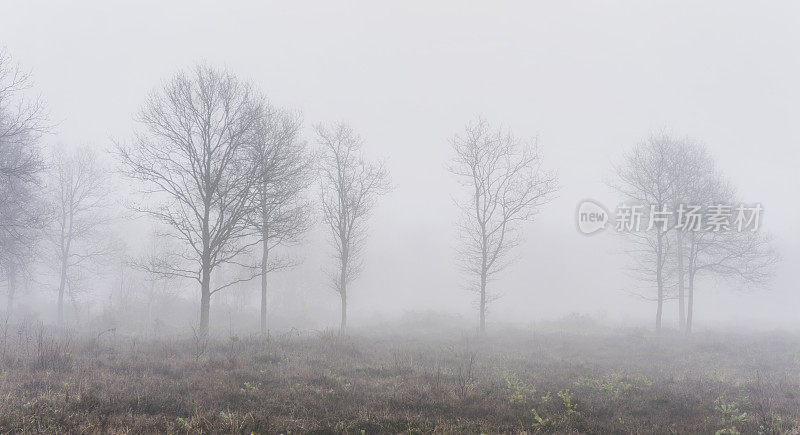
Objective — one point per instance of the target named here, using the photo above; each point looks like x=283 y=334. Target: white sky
x=588 y=79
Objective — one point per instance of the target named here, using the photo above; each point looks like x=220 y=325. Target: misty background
x=588 y=81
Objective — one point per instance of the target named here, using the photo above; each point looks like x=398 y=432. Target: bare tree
x=745 y=258
x=506 y=186
x=740 y=257
x=19 y=248
x=155 y=283
x=281 y=213
x=645 y=180
x=693 y=182
x=350 y=187
x=191 y=155
x=665 y=175
x=23 y=213
x=79 y=192
x=22 y=120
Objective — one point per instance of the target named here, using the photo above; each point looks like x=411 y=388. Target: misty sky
x=588 y=80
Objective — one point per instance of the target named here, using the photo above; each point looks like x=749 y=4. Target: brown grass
x=517 y=382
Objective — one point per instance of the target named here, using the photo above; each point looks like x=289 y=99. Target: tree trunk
x=264 y=258
x=205 y=300
x=147 y=330
x=61 y=289
x=12 y=286
x=150 y=301
x=343 y=326
x=66 y=243
x=659 y=279
x=484 y=276
x=343 y=293
x=483 y=304
x=681 y=289
x=690 y=307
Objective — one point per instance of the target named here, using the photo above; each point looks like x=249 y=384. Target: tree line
x=668 y=173
x=231 y=180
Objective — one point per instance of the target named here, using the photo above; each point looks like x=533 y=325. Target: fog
x=399 y=217
x=588 y=81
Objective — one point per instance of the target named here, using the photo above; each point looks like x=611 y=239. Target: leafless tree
x=80 y=194
x=23 y=213
x=19 y=250
x=645 y=180
x=693 y=182
x=281 y=212
x=22 y=120
x=663 y=174
x=154 y=282
x=350 y=187
x=506 y=186
x=740 y=257
x=743 y=257
x=191 y=155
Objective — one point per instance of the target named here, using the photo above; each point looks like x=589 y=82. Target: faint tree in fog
x=662 y=174
x=80 y=197
x=191 y=155
x=22 y=120
x=744 y=258
x=19 y=249
x=740 y=257
x=281 y=212
x=350 y=187
x=506 y=186
x=150 y=263
x=23 y=214
x=645 y=179
x=693 y=181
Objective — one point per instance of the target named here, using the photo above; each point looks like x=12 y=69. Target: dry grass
x=517 y=382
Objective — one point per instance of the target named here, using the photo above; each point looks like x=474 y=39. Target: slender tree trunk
x=692 y=270
x=690 y=307
x=484 y=276
x=62 y=286
x=150 y=300
x=12 y=286
x=345 y=257
x=681 y=286
x=343 y=293
x=659 y=278
x=149 y=324
x=66 y=243
x=264 y=258
x=483 y=303
x=343 y=326
x=205 y=273
x=205 y=300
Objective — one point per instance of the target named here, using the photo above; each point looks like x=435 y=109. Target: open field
x=515 y=382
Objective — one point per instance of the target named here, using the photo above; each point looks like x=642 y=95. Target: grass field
x=517 y=381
